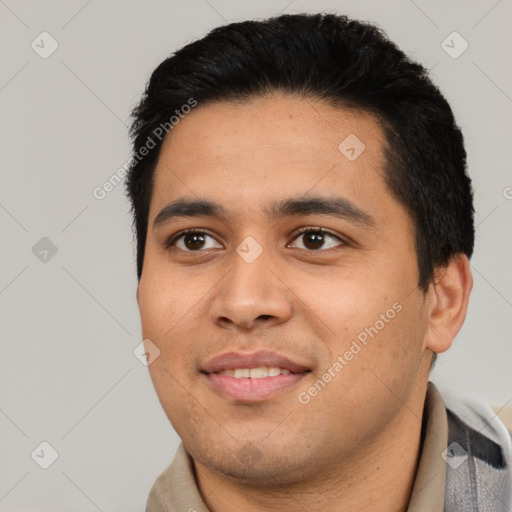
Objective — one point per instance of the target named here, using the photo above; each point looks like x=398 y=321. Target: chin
x=246 y=464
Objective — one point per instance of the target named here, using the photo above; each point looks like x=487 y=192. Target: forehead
x=269 y=148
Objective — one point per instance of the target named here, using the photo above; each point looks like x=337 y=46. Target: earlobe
x=450 y=297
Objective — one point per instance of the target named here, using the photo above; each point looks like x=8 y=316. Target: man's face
x=249 y=283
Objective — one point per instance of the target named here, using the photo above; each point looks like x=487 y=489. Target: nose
x=251 y=295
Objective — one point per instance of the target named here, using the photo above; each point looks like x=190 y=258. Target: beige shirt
x=175 y=490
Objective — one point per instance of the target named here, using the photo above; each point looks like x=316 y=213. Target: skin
x=355 y=445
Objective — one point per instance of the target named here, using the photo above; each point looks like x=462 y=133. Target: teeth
x=255 y=373
x=258 y=373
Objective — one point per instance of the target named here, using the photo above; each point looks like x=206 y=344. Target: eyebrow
x=339 y=207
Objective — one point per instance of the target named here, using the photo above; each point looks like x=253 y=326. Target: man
x=304 y=225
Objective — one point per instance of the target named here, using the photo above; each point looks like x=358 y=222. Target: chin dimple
x=255 y=373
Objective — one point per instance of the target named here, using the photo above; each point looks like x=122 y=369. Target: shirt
x=176 y=490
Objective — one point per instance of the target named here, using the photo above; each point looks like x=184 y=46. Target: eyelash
x=301 y=231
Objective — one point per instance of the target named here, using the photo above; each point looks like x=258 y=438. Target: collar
x=429 y=484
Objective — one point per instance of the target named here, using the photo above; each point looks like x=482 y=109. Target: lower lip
x=252 y=390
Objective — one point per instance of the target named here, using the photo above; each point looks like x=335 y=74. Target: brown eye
x=315 y=239
x=195 y=241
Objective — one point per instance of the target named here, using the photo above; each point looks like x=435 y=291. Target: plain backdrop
x=69 y=319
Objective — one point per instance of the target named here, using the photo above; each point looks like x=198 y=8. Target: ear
x=449 y=295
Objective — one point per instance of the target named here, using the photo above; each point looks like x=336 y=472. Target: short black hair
x=348 y=63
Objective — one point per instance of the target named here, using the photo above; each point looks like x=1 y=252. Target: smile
x=255 y=373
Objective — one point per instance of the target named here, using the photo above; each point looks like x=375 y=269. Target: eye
x=313 y=239
x=191 y=241
x=317 y=238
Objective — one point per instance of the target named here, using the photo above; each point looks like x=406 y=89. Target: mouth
x=253 y=377
x=261 y=372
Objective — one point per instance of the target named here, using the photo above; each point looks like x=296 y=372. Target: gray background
x=69 y=324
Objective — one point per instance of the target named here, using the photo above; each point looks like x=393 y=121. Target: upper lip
x=233 y=360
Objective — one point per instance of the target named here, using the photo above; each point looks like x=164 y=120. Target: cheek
x=377 y=322
x=165 y=302
x=345 y=301
x=378 y=353
x=392 y=350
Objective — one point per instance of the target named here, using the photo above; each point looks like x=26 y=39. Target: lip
x=233 y=360
x=252 y=390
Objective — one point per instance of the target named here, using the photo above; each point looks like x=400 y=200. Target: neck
x=377 y=477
